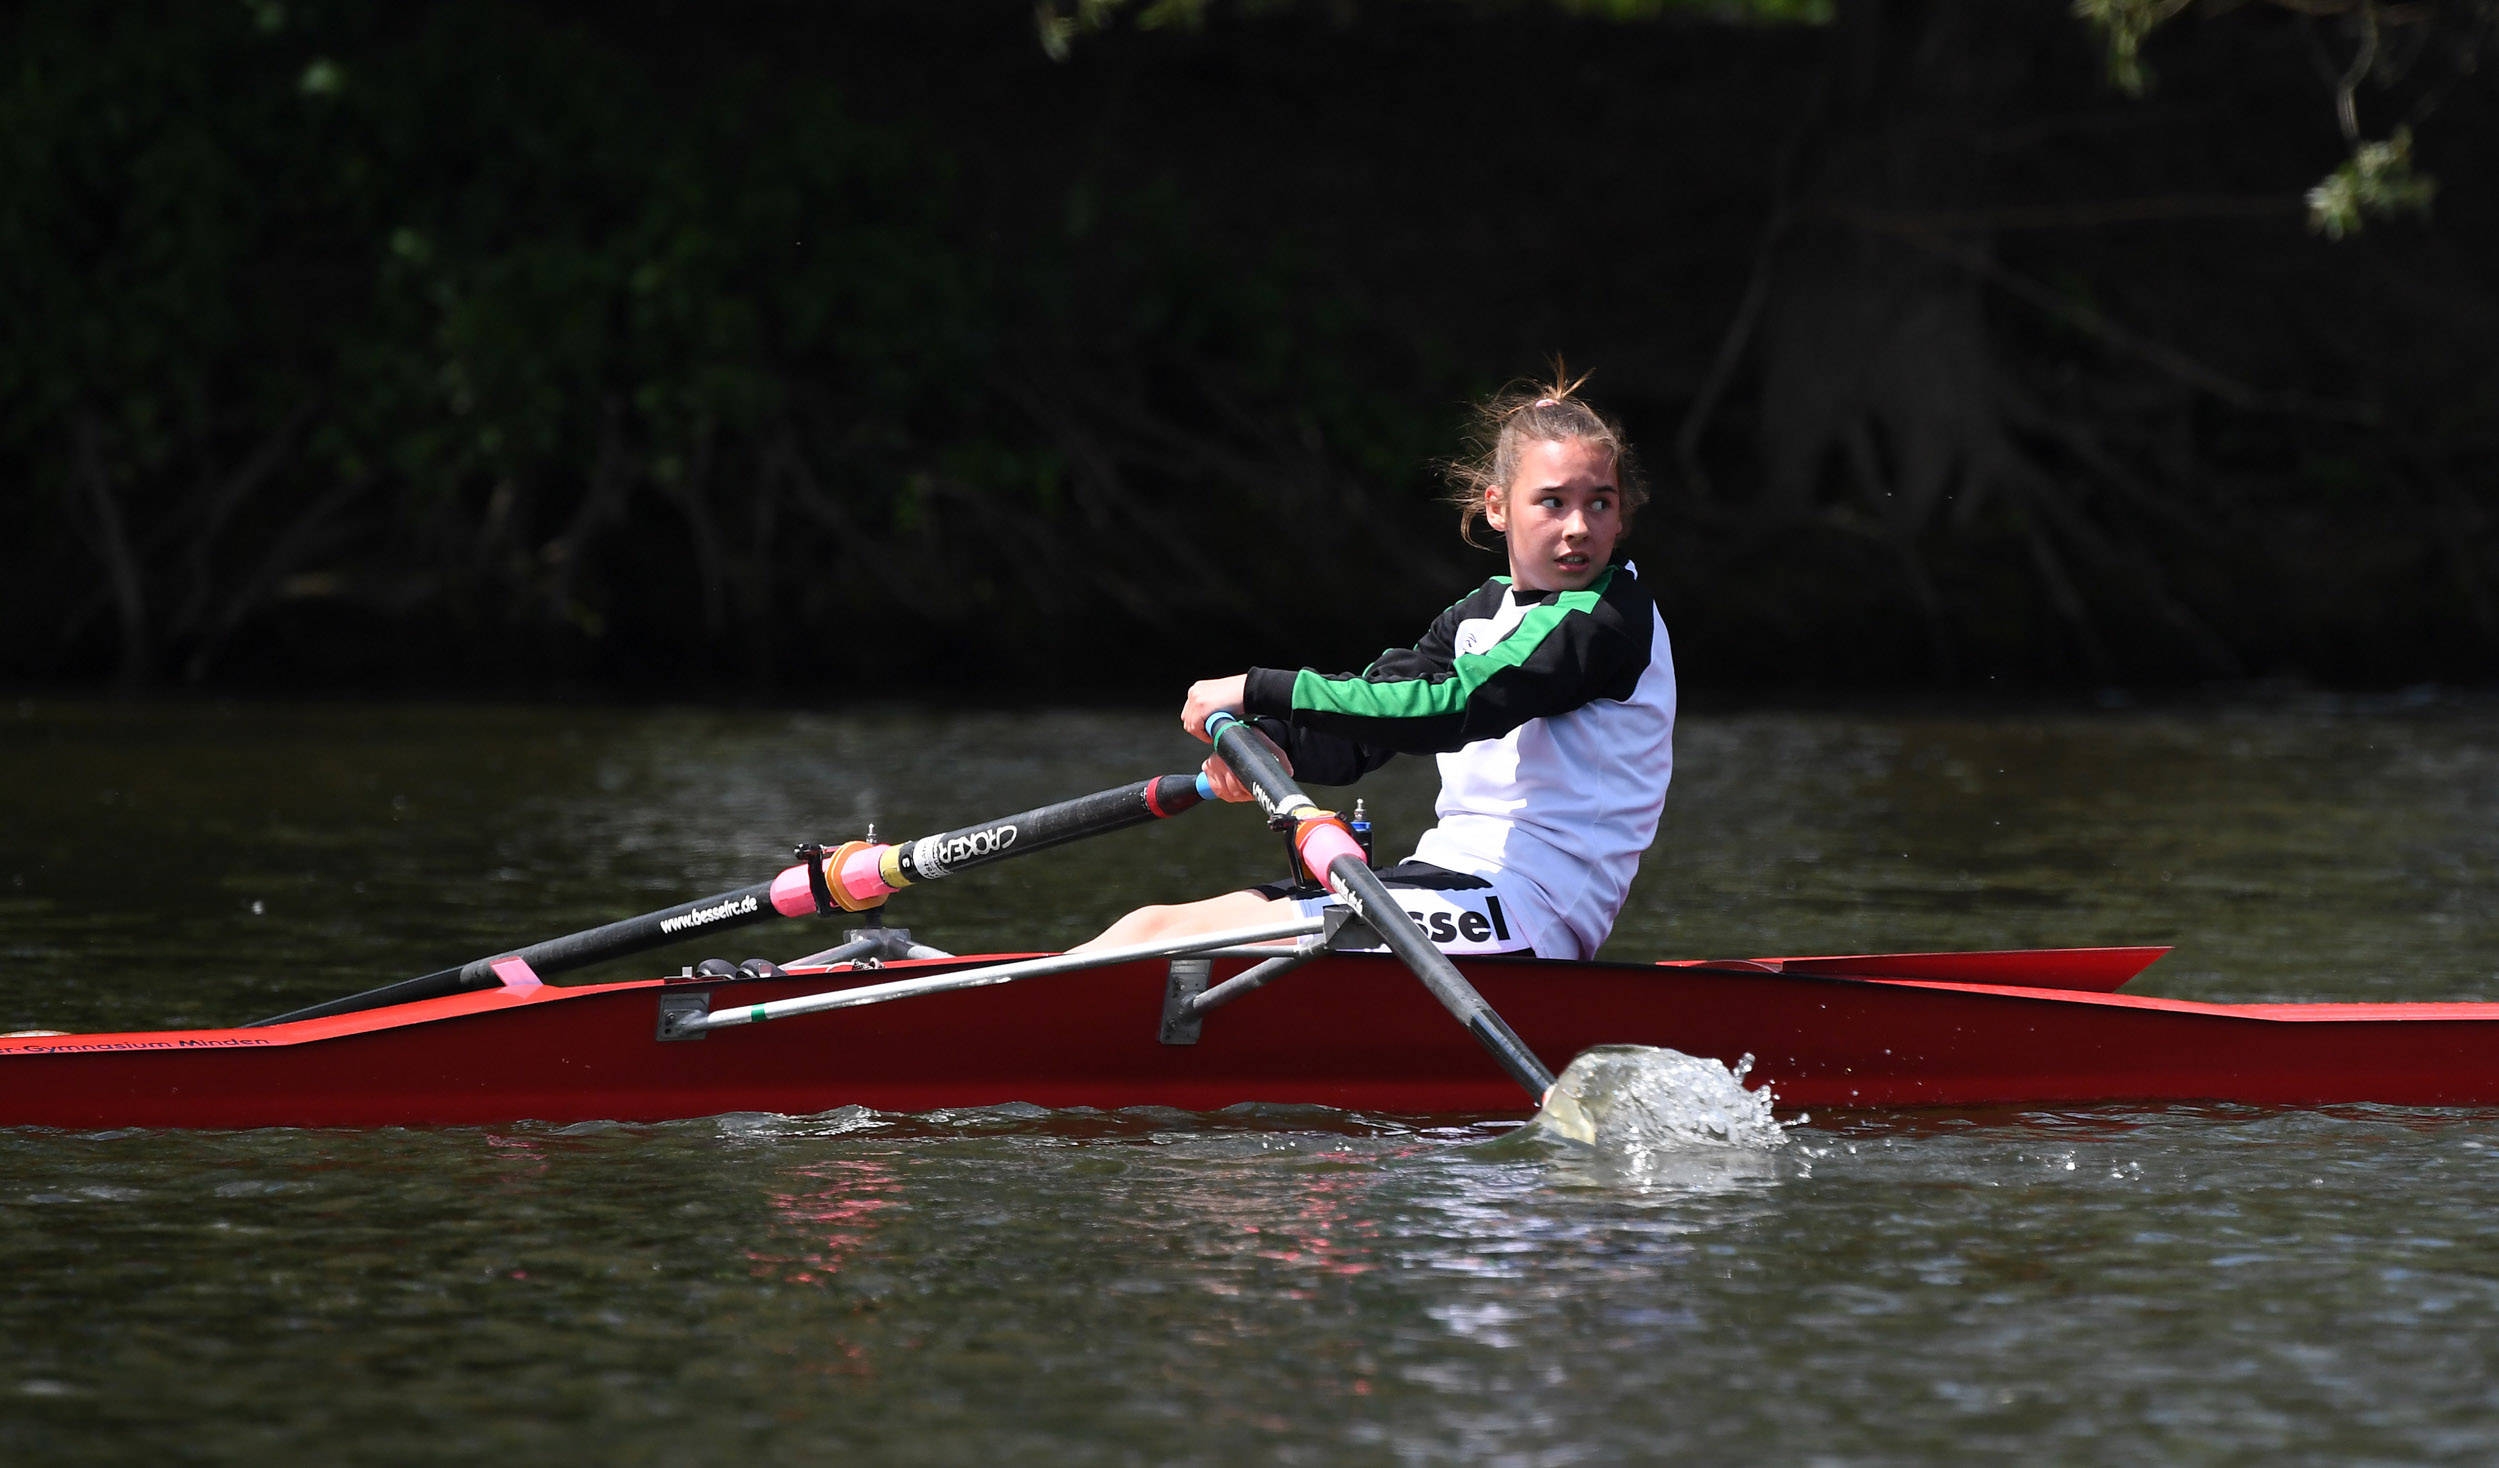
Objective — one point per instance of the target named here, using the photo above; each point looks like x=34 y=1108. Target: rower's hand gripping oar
x=854 y=877
x=1329 y=849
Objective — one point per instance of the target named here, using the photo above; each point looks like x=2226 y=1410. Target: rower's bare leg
x=1182 y=919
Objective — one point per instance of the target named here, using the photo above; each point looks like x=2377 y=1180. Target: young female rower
x=1548 y=694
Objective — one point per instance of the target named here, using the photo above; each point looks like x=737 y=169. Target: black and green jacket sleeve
x=1569 y=648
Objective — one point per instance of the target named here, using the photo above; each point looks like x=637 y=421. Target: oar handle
x=1328 y=848
x=856 y=877
x=1255 y=762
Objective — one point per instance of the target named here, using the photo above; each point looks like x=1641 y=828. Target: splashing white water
x=1635 y=1101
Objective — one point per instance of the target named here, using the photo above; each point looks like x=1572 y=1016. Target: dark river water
x=1013 y=1285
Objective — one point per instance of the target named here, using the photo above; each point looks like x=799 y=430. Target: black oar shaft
x=1361 y=889
x=1104 y=811
x=700 y=917
x=924 y=860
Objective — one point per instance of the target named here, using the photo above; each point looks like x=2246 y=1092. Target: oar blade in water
x=1633 y=1099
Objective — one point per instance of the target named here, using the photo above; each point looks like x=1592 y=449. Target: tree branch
x=2177 y=364
x=112 y=545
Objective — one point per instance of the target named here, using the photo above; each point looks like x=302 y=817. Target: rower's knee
x=1145 y=925
x=1162 y=922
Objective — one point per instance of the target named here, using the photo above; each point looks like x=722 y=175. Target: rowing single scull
x=1285 y=1012
x=1348 y=1030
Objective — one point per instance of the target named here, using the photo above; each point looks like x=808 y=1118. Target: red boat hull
x=1350 y=1031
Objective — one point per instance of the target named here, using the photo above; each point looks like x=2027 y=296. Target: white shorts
x=1459 y=913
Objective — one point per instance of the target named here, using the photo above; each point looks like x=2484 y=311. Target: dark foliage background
x=801 y=347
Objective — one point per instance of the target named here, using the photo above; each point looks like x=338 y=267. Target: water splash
x=1636 y=1101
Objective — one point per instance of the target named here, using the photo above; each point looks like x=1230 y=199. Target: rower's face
x=1561 y=514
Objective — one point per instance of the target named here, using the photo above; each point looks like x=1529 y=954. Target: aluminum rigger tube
x=1330 y=850
x=854 y=878
x=1000 y=973
x=1250 y=981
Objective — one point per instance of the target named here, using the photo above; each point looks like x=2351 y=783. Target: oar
x=853 y=877
x=1329 y=849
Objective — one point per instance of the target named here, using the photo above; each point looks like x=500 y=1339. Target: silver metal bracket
x=1187 y=1000
x=866 y=948
x=892 y=943
x=1343 y=928
x=678 y=1008
x=1187 y=980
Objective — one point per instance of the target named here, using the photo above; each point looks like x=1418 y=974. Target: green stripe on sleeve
x=1424 y=698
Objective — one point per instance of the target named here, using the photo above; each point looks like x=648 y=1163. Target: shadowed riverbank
x=784 y=350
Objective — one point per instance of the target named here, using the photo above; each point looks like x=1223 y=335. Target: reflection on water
x=1268 y=1284
x=830 y=1211
x=2106 y=1287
